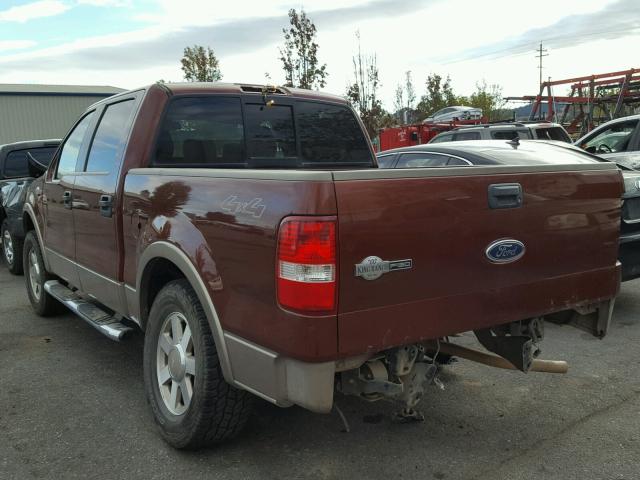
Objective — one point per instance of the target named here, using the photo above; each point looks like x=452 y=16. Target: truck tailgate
x=568 y=223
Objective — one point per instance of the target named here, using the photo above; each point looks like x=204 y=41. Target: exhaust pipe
x=546 y=366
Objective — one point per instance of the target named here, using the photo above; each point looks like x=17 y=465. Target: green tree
x=439 y=94
x=488 y=98
x=200 y=64
x=299 y=56
x=363 y=92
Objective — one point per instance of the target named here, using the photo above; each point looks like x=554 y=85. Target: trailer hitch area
x=401 y=374
x=515 y=342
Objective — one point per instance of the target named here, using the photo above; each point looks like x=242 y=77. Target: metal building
x=29 y=112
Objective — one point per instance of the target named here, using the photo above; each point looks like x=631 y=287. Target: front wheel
x=190 y=400
x=11 y=250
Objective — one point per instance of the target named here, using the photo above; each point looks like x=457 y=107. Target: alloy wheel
x=176 y=363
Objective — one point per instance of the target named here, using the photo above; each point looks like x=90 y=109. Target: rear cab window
x=243 y=132
x=552 y=133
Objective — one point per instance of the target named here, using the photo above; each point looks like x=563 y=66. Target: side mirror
x=591 y=149
x=35 y=167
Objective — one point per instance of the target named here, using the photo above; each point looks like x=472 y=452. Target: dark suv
x=16 y=174
x=505 y=131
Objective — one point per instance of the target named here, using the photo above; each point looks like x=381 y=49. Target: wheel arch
x=168 y=258
x=29 y=223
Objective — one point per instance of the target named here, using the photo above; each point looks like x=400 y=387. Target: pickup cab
x=249 y=233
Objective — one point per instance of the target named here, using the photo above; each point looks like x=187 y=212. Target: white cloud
x=29 y=11
x=16 y=44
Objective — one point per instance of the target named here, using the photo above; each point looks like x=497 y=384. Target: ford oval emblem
x=505 y=251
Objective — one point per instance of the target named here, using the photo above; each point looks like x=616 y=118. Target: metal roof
x=63 y=90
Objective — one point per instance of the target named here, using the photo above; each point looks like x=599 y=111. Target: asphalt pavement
x=72 y=405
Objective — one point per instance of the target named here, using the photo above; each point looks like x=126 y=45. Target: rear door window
x=466 y=136
x=457 y=162
x=110 y=139
x=419 y=160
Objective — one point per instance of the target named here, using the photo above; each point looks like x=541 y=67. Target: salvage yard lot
x=72 y=405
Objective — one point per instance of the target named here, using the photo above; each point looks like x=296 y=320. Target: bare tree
x=299 y=56
x=363 y=92
x=200 y=64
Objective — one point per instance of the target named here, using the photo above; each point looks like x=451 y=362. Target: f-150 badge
x=505 y=251
x=372 y=268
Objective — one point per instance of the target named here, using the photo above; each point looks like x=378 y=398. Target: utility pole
x=542 y=52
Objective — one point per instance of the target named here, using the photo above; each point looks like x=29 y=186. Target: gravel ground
x=72 y=405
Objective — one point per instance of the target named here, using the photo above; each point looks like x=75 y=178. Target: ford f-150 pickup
x=249 y=233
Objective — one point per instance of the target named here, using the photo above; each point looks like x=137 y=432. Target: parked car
x=528 y=152
x=16 y=174
x=262 y=258
x=449 y=114
x=505 y=131
x=617 y=140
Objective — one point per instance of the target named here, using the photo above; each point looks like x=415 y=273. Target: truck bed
x=438 y=218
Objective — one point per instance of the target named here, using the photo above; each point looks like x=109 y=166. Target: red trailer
x=416 y=134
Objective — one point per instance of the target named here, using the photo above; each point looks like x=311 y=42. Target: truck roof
x=187 y=88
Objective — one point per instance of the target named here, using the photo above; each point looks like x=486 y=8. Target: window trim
x=102 y=111
x=253 y=98
x=55 y=162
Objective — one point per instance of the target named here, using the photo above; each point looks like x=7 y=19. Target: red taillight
x=307 y=269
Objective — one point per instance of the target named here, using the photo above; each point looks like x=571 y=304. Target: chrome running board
x=91 y=313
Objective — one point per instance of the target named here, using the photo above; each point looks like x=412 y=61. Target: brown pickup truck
x=249 y=233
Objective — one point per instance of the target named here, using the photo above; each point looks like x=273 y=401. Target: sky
x=130 y=43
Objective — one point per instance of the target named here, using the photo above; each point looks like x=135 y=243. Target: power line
x=542 y=52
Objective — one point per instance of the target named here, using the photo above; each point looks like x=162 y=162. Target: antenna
x=542 y=52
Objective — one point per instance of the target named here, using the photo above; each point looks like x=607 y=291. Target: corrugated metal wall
x=33 y=117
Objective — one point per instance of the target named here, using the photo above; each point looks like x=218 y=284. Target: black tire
x=14 y=264
x=217 y=411
x=43 y=304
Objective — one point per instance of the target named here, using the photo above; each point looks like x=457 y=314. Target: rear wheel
x=11 y=249
x=190 y=400
x=36 y=276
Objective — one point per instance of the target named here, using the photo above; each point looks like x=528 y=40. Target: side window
x=15 y=165
x=506 y=134
x=386 y=161
x=466 y=136
x=71 y=148
x=442 y=138
x=457 y=162
x=612 y=139
x=419 y=160
x=202 y=131
x=110 y=139
x=553 y=133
